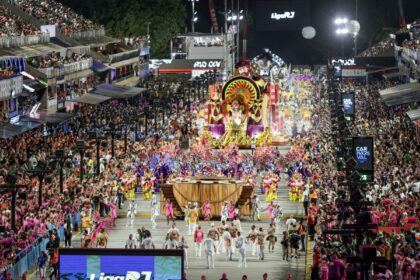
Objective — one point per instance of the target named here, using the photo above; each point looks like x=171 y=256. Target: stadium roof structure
x=89 y=98
x=414 y=115
x=117 y=92
x=401 y=94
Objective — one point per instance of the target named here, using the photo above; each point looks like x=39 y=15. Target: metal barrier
x=87 y=34
x=123 y=56
x=25 y=40
x=69 y=68
x=86 y=50
x=9 y=85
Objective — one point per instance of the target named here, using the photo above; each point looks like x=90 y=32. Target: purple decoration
x=217 y=130
x=253 y=130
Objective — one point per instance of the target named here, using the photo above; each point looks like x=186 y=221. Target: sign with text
x=283 y=15
x=348 y=101
x=363 y=153
x=101 y=264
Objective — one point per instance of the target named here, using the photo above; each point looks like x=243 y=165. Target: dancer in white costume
x=155 y=214
x=240 y=245
x=131 y=212
x=225 y=212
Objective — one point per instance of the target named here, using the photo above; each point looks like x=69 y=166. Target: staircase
x=246 y=195
x=167 y=193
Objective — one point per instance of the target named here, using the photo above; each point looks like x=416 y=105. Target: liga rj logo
x=131 y=275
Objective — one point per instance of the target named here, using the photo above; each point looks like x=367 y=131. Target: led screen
x=109 y=264
x=283 y=15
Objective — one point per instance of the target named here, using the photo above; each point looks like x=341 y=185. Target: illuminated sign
x=207 y=64
x=118 y=264
x=363 y=154
x=285 y=15
x=344 y=62
x=348 y=104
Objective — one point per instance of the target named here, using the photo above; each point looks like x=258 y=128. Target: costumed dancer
x=187 y=209
x=222 y=230
x=153 y=199
x=270 y=207
x=206 y=211
x=227 y=239
x=225 y=212
x=192 y=220
x=237 y=223
x=278 y=214
x=233 y=230
x=198 y=240
x=260 y=241
x=256 y=207
x=231 y=209
x=155 y=214
x=169 y=211
x=252 y=237
x=209 y=249
x=131 y=212
x=184 y=246
x=240 y=245
x=215 y=235
x=147 y=188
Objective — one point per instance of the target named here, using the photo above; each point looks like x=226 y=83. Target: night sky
x=373 y=15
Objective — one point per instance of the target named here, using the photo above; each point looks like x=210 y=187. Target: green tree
x=130 y=17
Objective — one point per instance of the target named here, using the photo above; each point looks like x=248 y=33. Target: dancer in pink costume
x=206 y=211
x=169 y=211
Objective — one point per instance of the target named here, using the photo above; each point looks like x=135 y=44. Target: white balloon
x=308 y=32
x=353 y=26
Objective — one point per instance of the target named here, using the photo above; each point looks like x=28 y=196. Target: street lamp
x=13 y=188
x=61 y=159
x=40 y=169
x=194 y=17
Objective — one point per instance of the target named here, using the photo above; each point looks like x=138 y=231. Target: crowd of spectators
x=379 y=48
x=55 y=59
x=12 y=25
x=6 y=72
x=95 y=198
x=394 y=194
x=53 y=12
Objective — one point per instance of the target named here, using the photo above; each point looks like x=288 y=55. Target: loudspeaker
x=368 y=252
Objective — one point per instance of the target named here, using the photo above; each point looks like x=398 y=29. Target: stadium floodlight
x=339 y=21
x=195 y=19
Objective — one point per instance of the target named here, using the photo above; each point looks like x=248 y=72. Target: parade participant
x=186 y=211
x=170 y=242
x=206 y=211
x=141 y=234
x=169 y=211
x=183 y=245
x=147 y=188
x=302 y=234
x=130 y=243
x=224 y=227
x=271 y=237
x=233 y=230
x=231 y=211
x=209 y=249
x=270 y=207
x=192 y=220
x=225 y=212
x=260 y=241
x=148 y=243
x=154 y=214
x=84 y=239
x=153 y=198
x=237 y=223
x=294 y=244
x=285 y=245
x=278 y=214
x=102 y=239
x=174 y=231
x=227 y=239
x=198 y=240
x=256 y=207
x=215 y=236
x=252 y=237
x=240 y=245
x=131 y=212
